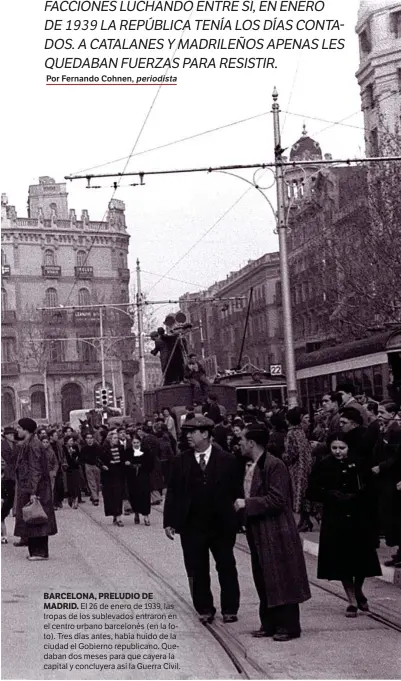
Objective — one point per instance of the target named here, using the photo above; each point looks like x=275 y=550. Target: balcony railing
x=84 y=272
x=9 y=368
x=5 y=270
x=51 y=271
x=124 y=273
x=76 y=368
x=8 y=316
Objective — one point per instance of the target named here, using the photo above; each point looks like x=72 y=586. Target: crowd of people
x=257 y=471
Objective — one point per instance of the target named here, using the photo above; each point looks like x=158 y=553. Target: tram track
x=245 y=666
x=378 y=617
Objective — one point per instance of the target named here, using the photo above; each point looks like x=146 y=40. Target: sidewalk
x=391 y=575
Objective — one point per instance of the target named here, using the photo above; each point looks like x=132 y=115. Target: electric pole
x=139 y=307
x=284 y=273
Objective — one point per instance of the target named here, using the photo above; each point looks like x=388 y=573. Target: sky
x=57 y=131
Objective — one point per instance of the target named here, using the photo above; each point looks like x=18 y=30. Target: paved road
x=90 y=554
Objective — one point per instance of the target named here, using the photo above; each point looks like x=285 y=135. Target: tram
x=255 y=387
x=372 y=364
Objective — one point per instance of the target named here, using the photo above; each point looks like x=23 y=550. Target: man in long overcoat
x=33 y=481
x=278 y=563
x=199 y=506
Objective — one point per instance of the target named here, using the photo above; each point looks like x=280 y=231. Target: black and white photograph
x=201 y=339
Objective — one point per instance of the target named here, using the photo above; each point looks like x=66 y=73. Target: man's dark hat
x=28 y=424
x=198 y=422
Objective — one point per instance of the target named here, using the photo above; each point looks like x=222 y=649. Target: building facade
x=51 y=259
x=379 y=73
x=219 y=325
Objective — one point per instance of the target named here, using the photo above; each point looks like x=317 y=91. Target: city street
x=89 y=554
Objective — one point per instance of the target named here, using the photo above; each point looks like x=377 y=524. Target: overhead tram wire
x=170 y=144
x=236 y=202
x=125 y=167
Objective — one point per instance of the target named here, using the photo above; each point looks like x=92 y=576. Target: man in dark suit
x=199 y=506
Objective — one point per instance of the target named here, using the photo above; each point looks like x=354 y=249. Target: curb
x=389 y=574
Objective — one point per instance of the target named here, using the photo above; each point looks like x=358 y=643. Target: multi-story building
x=218 y=326
x=50 y=259
x=379 y=73
x=328 y=211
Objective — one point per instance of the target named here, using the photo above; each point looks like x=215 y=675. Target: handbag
x=33 y=513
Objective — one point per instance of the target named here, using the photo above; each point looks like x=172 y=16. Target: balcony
x=84 y=272
x=124 y=273
x=73 y=368
x=130 y=366
x=8 y=317
x=9 y=369
x=5 y=271
x=51 y=271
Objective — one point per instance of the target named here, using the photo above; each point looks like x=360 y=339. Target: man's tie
x=202 y=461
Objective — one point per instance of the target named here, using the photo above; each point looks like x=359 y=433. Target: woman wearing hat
x=33 y=482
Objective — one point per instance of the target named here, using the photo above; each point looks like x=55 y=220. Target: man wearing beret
x=199 y=505
x=33 y=482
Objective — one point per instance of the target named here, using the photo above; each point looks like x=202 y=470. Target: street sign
x=276 y=370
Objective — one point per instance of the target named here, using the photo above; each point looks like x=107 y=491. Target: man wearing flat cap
x=204 y=484
x=33 y=482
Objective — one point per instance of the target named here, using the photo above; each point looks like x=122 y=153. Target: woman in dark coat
x=343 y=483
x=33 y=482
x=72 y=459
x=112 y=477
x=138 y=467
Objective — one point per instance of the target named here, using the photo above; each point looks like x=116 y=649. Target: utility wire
x=125 y=167
x=170 y=144
x=181 y=281
x=236 y=202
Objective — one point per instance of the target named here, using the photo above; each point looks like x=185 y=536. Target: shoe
x=228 y=619
x=75 y=505
x=21 y=542
x=119 y=523
x=96 y=502
x=285 y=637
x=206 y=619
x=146 y=521
x=4 y=540
x=363 y=605
x=136 y=519
x=262 y=633
x=32 y=558
x=351 y=611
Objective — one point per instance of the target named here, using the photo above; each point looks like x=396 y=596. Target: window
x=395 y=23
x=3 y=258
x=370 y=97
x=4 y=300
x=51 y=298
x=8 y=350
x=365 y=40
x=121 y=260
x=86 y=351
x=81 y=258
x=49 y=258
x=374 y=142
x=56 y=351
x=83 y=296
